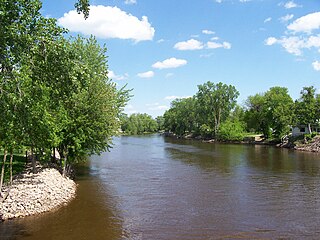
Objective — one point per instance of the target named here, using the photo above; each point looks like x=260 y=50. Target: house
x=303 y=129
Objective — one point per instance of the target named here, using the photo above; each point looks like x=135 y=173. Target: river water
x=151 y=187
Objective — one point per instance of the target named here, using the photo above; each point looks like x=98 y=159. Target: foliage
x=181 y=117
x=54 y=91
x=270 y=113
x=231 y=130
x=307 y=108
x=138 y=124
x=215 y=101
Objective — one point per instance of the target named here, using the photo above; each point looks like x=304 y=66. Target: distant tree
x=181 y=117
x=306 y=111
x=270 y=113
x=215 y=102
x=279 y=113
x=160 y=121
x=138 y=123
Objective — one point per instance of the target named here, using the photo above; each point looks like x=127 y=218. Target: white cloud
x=306 y=24
x=148 y=74
x=213 y=45
x=214 y=38
x=267 y=20
x=243 y=1
x=191 y=44
x=218 y=1
x=160 y=40
x=270 y=41
x=176 y=97
x=208 y=32
x=170 y=63
x=294 y=44
x=290 y=4
x=114 y=76
x=129 y=2
x=108 y=22
x=316 y=65
x=286 y=18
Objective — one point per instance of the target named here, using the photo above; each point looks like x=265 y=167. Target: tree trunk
x=33 y=160
x=2 y=170
x=11 y=160
x=309 y=128
x=65 y=155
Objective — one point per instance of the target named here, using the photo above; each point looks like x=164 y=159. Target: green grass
x=18 y=165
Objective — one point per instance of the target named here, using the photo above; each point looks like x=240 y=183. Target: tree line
x=213 y=112
x=54 y=90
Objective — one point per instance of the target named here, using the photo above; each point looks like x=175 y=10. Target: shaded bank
x=32 y=194
x=310 y=146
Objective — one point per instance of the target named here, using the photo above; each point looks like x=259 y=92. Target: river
x=151 y=187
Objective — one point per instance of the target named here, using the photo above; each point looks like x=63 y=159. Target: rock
x=36 y=193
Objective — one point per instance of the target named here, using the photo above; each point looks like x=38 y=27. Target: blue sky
x=164 y=49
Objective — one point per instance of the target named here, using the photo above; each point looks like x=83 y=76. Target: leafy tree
x=160 y=121
x=138 y=124
x=181 y=117
x=306 y=110
x=215 y=101
x=255 y=115
x=279 y=107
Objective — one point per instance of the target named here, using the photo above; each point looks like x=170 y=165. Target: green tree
x=306 y=111
x=279 y=105
x=215 y=102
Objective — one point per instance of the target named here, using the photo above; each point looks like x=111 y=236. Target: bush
x=231 y=131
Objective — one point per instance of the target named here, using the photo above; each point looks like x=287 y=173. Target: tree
x=181 y=117
x=215 y=103
x=83 y=6
x=270 y=112
x=306 y=107
x=138 y=123
x=279 y=107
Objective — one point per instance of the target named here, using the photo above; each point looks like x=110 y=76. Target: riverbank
x=32 y=194
x=311 y=146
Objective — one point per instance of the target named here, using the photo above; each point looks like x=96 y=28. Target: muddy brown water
x=152 y=187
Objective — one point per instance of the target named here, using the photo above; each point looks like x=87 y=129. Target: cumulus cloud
x=290 y=4
x=306 y=24
x=213 y=45
x=316 y=65
x=114 y=76
x=208 y=32
x=295 y=44
x=191 y=44
x=286 y=18
x=148 y=74
x=130 y=2
x=270 y=41
x=108 y=22
x=170 y=63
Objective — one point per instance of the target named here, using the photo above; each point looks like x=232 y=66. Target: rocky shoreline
x=32 y=194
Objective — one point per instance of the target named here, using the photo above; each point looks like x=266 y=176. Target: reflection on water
x=152 y=187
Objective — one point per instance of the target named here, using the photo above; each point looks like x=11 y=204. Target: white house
x=303 y=129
